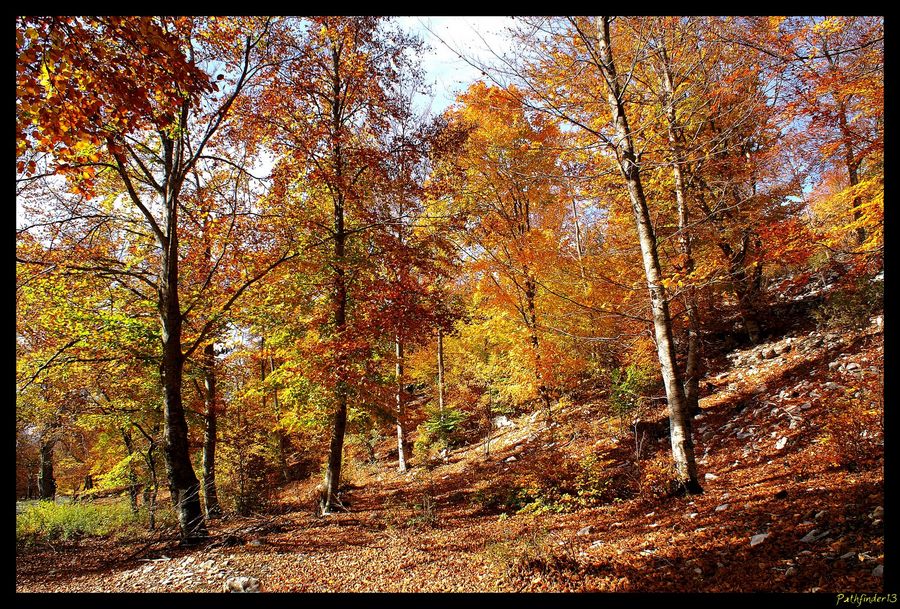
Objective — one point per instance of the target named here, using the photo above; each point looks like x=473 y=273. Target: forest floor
x=788 y=505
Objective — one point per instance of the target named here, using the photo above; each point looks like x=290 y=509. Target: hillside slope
x=790 y=449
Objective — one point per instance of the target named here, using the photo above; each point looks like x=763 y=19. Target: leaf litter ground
x=766 y=471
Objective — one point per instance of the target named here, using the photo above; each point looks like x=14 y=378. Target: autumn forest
x=611 y=320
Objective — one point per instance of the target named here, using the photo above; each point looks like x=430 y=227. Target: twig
x=160 y=537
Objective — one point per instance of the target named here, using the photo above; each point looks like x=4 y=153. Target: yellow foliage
x=835 y=215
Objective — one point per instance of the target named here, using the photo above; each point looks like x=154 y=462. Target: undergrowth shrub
x=354 y=469
x=425 y=512
x=854 y=427
x=516 y=556
x=439 y=429
x=656 y=477
x=571 y=486
x=47 y=521
x=536 y=562
x=244 y=476
x=627 y=392
x=580 y=484
x=498 y=498
x=852 y=304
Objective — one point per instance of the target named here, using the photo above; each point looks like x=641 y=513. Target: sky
x=474 y=37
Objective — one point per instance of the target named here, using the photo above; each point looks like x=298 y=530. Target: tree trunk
x=281 y=442
x=330 y=499
x=682 y=444
x=183 y=481
x=151 y=491
x=210 y=496
x=852 y=170
x=46 y=481
x=401 y=404
x=132 y=475
x=522 y=228
x=440 y=369
x=579 y=248
x=692 y=365
x=210 y=398
x=488 y=411
x=339 y=421
x=743 y=289
x=691 y=371
x=530 y=293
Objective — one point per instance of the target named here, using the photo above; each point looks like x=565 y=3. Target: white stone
x=758 y=539
x=781 y=443
x=241 y=584
x=501 y=421
x=813 y=536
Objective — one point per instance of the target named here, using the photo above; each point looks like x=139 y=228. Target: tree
x=682 y=445
x=413 y=250
x=511 y=191
x=563 y=48
x=145 y=122
x=834 y=70
x=332 y=101
x=676 y=140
